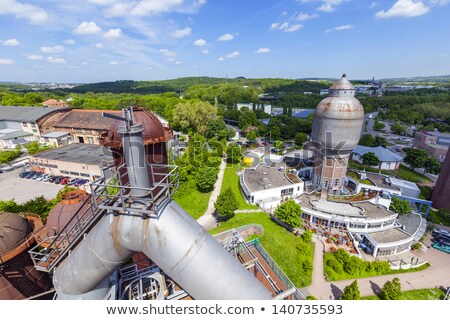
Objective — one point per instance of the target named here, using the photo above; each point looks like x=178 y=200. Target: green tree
x=367 y=140
x=193 y=116
x=226 y=204
x=432 y=165
x=397 y=128
x=300 y=138
x=251 y=135
x=381 y=141
x=34 y=147
x=278 y=144
x=290 y=212
x=416 y=158
x=351 y=292
x=248 y=118
x=7 y=156
x=400 y=206
x=378 y=126
x=234 y=153
x=370 y=159
x=206 y=178
x=391 y=290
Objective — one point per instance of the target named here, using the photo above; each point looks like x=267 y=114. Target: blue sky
x=103 y=40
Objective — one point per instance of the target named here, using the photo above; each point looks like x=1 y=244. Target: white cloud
x=84 y=63
x=56 y=60
x=205 y=51
x=70 y=42
x=167 y=53
x=99 y=45
x=328 y=5
x=286 y=27
x=199 y=42
x=225 y=37
x=341 y=28
x=87 y=28
x=404 y=8
x=103 y=2
x=11 y=42
x=221 y=59
x=113 y=63
x=152 y=7
x=54 y=49
x=35 y=57
x=113 y=33
x=34 y=14
x=373 y=5
x=233 y=55
x=177 y=62
x=439 y=2
x=305 y=16
x=7 y=61
x=263 y=50
x=181 y=33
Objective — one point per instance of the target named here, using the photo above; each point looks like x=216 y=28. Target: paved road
x=207 y=220
x=436 y=275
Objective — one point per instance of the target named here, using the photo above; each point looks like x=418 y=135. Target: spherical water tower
x=337 y=125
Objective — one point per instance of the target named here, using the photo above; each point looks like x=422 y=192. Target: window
x=46 y=139
x=53 y=166
x=64 y=172
x=287 y=192
x=33 y=125
x=74 y=173
x=85 y=175
x=24 y=124
x=34 y=130
x=336 y=182
x=90 y=140
x=326 y=183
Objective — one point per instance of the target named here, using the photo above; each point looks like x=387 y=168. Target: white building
x=388 y=159
x=267 y=108
x=268 y=186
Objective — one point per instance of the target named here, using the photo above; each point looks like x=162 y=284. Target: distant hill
x=426 y=79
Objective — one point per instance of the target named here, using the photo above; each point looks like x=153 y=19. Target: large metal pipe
x=174 y=241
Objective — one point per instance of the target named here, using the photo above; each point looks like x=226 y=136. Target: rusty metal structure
x=441 y=192
x=337 y=124
x=18 y=277
x=138 y=214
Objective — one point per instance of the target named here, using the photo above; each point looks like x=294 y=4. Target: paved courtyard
x=22 y=190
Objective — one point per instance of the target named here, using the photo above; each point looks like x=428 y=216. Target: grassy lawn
x=355 y=176
x=422 y=294
x=231 y=179
x=193 y=201
x=288 y=251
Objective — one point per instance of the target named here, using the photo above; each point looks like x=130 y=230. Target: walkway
x=207 y=220
x=436 y=275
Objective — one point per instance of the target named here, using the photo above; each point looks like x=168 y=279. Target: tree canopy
x=370 y=159
x=226 y=204
x=416 y=158
x=351 y=292
x=289 y=212
x=400 y=206
x=391 y=290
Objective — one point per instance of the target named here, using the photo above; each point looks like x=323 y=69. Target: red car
x=64 y=180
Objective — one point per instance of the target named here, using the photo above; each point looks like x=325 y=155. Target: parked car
x=23 y=174
x=439 y=231
x=51 y=179
x=58 y=179
x=35 y=175
x=64 y=180
x=28 y=175
x=72 y=181
x=442 y=247
x=81 y=182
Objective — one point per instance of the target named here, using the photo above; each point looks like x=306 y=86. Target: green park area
x=231 y=180
x=421 y=294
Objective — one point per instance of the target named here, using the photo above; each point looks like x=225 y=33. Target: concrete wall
x=71 y=169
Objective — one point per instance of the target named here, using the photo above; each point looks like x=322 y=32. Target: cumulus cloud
x=263 y=50
x=329 y=5
x=305 y=16
x=225 y=37
x=7 y=61
x=70 y=42
x=341 y=28
x=233 y=55
x=54 y=49
x=181 y=33
x=221 y=59
x=286 y=27
x=404 y=8
x=148 y=7
x=87 y=28
x=373 y=5
x=199 y=42
x=34 y=14
x=205 y=51
x=167 y=53
x=113 y=33
x=11 y=42
x=56 y=60
x=113 y=63
x=35 y=57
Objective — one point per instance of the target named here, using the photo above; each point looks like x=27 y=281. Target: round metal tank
x=13 y=230
x=338 y=120
x=63 y=211
x=155 y=136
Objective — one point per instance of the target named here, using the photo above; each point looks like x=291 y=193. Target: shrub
x=289 y=212
x=391 y=290
x=226 y=204
x=351 y=292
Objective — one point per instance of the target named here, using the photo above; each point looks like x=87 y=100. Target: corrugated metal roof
x=383 y=154
x=25 y=114
x=303 y=114
x=14 y=135
x=55 y=134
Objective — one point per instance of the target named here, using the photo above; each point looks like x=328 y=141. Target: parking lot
x=22 y=190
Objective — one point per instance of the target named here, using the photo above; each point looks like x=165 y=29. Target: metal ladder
x=48 y=253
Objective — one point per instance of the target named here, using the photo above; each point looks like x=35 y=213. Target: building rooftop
x=388 y=236
x=261 y=178
x=25 y=114
x=303 y=114
x=380 y=181
x=403 y=183
x=87 y=119
x=14 y=135
x=79 y=153
x=383 y=154
x=55 y=134
x=357 y=210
